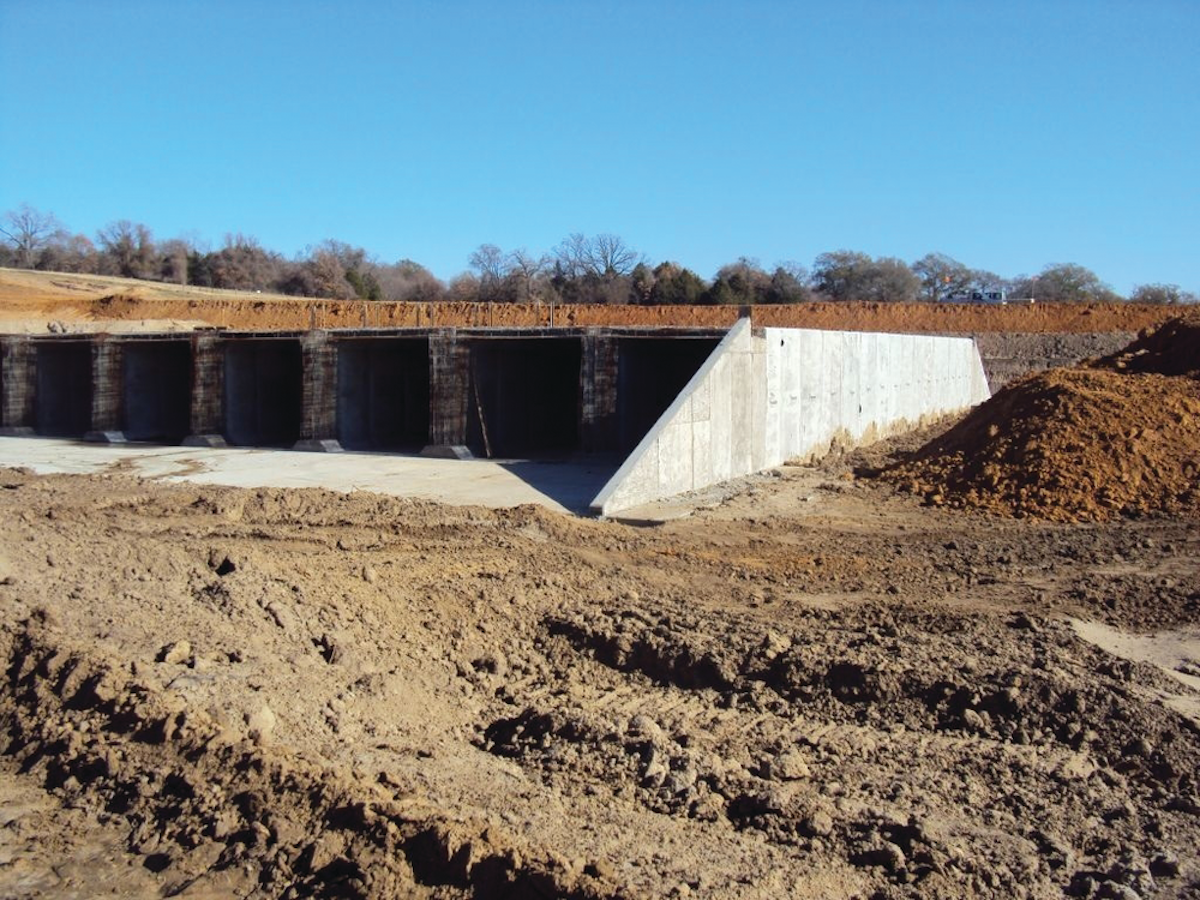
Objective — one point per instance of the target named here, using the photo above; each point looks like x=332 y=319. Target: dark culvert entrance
x=263 y=392
x=158 y=390
x=63 y=404
x=524 y=397
x=383 y=393
x=651 y=371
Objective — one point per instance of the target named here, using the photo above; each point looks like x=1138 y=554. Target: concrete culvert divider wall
x=18 y=385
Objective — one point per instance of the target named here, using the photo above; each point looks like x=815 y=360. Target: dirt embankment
x=279 y=314
x=1120 y=436
x=80 y=301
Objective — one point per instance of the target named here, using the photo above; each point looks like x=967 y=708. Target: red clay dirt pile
x=1117 y=437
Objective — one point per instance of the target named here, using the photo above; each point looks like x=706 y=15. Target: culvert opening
x=63 y=402
x=524 y=397
x=263 y=392
x=650 y=374
x=383 y=393
x=158 y=389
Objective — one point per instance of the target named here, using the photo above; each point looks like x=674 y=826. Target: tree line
x=581 y=269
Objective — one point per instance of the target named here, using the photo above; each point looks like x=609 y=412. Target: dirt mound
x=1173 y=349
x=1087 y=444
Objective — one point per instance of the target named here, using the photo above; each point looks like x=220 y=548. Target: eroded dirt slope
x=817 y=689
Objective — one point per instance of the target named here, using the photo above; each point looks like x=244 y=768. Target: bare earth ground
x=814 y=688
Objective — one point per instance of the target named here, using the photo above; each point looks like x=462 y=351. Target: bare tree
x=174 y=255
x=793 y=269
x=572 y=258
x=1162 y=294
x=242 y=264
x=329 y=275
x=608 y=255
x=463 y=288
x=410 y=282
x=66 y=252
x=29 y=231
x=850 y=275
x=592 y=270
x=841 y=274
x=127 y=249
x=525 y=273
x=491 y=264
x=604 y=255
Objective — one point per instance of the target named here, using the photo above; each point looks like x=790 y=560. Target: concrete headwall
x=760 y=400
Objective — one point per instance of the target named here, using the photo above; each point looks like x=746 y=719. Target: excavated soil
x=817 y=688
x=30 y=301
x=1119 y=437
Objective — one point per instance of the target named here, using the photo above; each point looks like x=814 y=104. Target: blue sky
x=1008 y=135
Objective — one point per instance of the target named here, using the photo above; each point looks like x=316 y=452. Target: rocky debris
x=175 y=653
x=260 y=725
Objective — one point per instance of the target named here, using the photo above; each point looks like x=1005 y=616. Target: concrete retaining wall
x=785 y=394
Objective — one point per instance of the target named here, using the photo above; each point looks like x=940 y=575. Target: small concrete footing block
x=205 y=440
x=446 y=451
x=318 y=445
x=105 y=437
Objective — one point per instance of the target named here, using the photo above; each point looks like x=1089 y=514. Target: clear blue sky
x=1008 y=135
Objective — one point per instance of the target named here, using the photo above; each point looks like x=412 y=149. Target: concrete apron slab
x=561 y=486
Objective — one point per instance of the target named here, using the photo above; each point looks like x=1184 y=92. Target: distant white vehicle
x=996 y=298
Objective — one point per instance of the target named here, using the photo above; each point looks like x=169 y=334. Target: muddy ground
x=814 y=687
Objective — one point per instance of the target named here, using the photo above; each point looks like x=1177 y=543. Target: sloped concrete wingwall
x=705 y=436
x=759 y=401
